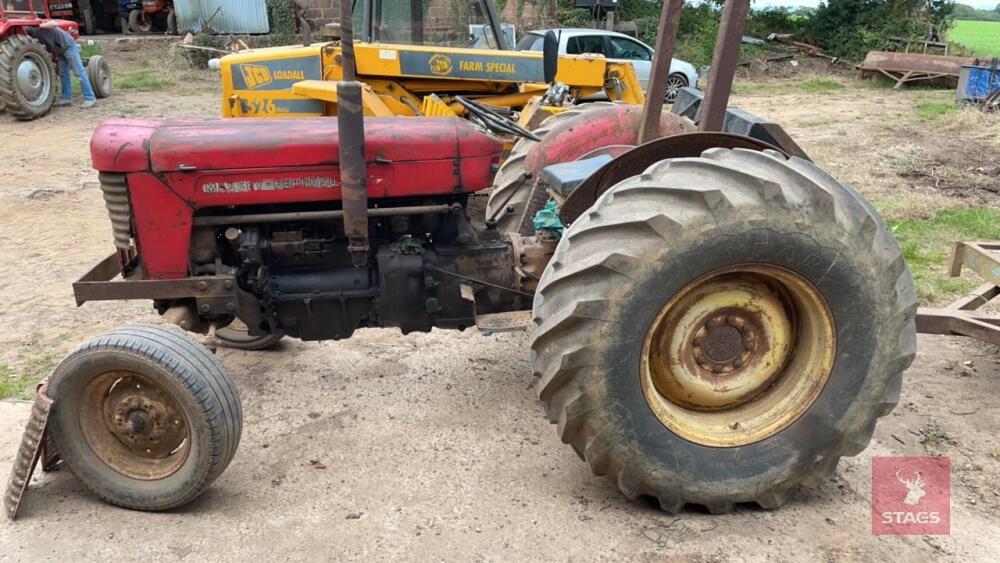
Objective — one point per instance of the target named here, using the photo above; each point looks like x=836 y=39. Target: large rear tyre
x=172 y=22
x=27 y=78
x=236 y=335
x=565 y=137
x=720 y=329
x=513 y=182
x=140 y=22
x=145 y=416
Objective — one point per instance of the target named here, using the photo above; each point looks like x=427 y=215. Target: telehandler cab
x=420 y=58
x=714 y=318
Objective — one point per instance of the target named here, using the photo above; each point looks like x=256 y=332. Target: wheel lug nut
x=734 y=321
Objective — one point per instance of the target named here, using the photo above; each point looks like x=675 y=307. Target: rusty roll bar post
x=720 y=78
x=666 y=38
x=351 y=129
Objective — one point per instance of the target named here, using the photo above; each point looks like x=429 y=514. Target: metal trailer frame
x=961 y=317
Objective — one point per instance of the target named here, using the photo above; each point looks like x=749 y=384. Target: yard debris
x=811 y=50
x=913 y=67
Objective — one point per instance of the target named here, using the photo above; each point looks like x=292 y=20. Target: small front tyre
x=145 y=416
x=718 y=330
x=99 y=73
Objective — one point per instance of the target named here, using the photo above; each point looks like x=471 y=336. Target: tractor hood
x=136 y=145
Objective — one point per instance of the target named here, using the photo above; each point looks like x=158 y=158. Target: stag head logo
x=915 y=488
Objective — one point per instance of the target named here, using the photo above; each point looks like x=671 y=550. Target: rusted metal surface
x=214 y=294
x=666 y=38
x=531 y=256
x=960 y=317
x=720 y=77
x=353 y=170
x=738 y=355
x=917 y=62
x=913 y=67
x=633 y=162
x=29 y=452
x=981 y=257
x=351 y=126
x=959 y=323
x=134 y=426
x=347 y=59
x=251 y=218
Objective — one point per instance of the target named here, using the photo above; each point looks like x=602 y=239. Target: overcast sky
x=813 y=3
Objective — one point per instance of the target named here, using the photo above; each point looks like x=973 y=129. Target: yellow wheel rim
x=738 y=355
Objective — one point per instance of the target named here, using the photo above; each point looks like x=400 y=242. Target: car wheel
x=675 y=82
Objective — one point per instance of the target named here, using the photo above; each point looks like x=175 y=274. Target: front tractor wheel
x=145 y=417
x=720 y=329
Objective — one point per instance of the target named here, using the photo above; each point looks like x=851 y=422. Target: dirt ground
x=431 y=446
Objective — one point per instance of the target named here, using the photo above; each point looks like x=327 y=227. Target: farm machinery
x=27 y=68
x=714 y=319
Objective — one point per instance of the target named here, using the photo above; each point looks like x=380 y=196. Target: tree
x=850 y=28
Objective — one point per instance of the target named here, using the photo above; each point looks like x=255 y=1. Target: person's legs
x=66 y=96
x=73 y=54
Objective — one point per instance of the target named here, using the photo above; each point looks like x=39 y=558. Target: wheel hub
x=724 y=343
x=134 y=425
x=29 y=79
x=737 y=355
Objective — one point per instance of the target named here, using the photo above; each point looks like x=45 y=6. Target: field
x=982 y=37
x=431 y=446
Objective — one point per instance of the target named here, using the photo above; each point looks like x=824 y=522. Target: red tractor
x=714 y=319
x=146 y=16
x=28 y=70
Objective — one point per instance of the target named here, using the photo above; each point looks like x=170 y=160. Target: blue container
x=975 y=82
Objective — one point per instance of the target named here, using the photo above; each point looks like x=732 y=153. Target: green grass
x=142 y=81
x=34 y=362
x=90 y=50
x=983 y=38
x=934 y=110
x=927 y=244
x=818 y=85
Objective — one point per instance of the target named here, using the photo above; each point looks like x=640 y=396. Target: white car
x=617 y=47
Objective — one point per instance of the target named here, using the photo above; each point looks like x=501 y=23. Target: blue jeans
x=72 y=58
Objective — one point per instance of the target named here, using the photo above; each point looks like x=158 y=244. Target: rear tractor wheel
x=145 y=417
x=139 y=21
x=720 y=329
x=565 y=137
x=512 y=184
x=27 y=78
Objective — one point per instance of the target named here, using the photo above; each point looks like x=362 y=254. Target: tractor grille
x=116 y=200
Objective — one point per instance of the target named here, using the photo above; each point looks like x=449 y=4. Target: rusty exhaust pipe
x=666 y=38
x=351 y=129
x=720 y=77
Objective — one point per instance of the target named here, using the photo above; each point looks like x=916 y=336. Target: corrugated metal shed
x=223 y=16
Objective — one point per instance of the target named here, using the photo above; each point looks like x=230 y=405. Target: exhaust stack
x=351 y=127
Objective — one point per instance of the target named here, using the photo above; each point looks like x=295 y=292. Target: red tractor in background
x=146 y=16
x=28 y=69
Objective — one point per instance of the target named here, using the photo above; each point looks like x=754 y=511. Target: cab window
x=622 y=48
x=531 y=42
x=586 y=44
